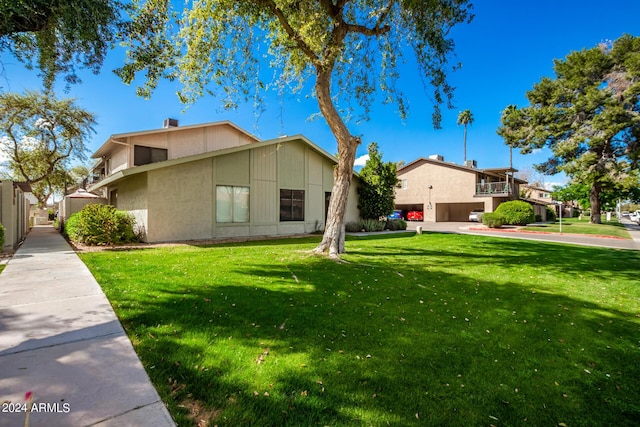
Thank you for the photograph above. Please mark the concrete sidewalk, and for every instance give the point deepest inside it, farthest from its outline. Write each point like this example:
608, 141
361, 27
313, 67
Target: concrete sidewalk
61, 340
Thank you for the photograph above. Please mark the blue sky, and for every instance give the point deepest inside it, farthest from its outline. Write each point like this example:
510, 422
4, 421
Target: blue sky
509, 46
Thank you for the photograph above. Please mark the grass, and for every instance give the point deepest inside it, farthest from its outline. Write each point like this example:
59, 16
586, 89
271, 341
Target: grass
577, 226
430, 329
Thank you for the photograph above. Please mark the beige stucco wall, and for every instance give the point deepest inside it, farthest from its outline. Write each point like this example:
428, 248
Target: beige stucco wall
119, 159
180, 202
132, 197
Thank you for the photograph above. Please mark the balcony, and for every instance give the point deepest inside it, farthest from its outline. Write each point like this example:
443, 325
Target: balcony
496, 189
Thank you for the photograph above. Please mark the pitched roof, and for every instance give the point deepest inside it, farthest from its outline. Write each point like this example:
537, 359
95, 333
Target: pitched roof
490, 171
168, 163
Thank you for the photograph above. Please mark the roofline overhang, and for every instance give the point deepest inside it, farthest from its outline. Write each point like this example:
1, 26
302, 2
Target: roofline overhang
464, 168
135, 170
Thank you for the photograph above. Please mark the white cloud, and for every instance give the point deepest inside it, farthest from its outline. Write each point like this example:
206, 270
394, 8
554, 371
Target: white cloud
360, 161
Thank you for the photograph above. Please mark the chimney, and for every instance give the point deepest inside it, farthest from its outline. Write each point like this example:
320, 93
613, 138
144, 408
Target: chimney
170, 123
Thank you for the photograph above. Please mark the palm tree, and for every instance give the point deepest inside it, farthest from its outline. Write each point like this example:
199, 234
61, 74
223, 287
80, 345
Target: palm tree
465, 118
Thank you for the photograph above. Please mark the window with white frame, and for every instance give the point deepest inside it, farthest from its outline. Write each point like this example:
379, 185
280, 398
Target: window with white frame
232, 204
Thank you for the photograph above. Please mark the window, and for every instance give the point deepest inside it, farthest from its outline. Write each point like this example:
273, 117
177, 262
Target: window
145, 155
403, 184
232, 204
291, 205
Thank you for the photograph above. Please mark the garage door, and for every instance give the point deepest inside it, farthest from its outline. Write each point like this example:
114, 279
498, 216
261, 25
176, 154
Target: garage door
455, 212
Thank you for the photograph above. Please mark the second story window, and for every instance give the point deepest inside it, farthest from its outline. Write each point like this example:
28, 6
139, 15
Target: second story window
145, 155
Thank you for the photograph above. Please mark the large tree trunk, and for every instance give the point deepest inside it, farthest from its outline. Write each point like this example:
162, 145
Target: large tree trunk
594, 200
333, 238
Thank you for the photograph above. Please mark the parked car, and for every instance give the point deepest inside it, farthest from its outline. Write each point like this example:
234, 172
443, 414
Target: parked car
476, 215
395, 215
634, 216
415, 216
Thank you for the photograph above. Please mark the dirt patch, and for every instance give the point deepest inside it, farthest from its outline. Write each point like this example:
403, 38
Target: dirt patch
200, 414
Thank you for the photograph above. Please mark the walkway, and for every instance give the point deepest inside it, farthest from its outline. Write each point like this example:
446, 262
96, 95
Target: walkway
61, 340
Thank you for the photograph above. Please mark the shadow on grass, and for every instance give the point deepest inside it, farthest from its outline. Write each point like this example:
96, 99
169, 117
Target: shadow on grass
387, 339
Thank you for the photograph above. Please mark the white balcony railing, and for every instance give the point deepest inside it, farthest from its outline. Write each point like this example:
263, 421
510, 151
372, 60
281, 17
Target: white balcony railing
493, 189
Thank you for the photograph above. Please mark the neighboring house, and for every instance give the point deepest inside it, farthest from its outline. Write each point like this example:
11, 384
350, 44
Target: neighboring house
539, 198
537, 193
216, 180
446, 191
14, 212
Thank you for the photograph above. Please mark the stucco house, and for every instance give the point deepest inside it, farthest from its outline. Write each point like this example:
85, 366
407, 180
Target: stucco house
215, 180
447, 191
539, 197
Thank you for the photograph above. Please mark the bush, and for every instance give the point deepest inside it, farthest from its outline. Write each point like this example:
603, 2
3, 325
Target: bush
101, 225
492, 219
396, 224
72, 228
372, 225
551, 214
1, 237
516, 212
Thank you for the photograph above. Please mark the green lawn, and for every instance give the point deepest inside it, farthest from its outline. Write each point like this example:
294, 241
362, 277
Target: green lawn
576, 226
432, 329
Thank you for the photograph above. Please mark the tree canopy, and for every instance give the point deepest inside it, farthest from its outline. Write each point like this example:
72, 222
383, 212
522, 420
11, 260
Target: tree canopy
41, 136
57, 36
343, 52
378, 181
588, 116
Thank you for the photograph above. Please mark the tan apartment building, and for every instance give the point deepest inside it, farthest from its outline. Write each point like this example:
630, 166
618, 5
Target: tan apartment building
215, 180
446, 191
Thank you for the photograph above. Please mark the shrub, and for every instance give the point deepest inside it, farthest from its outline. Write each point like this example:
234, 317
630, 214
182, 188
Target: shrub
492, 219
551, 214
101, 225
372, 225
396, 224
1, 237
72, 228
516, 212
